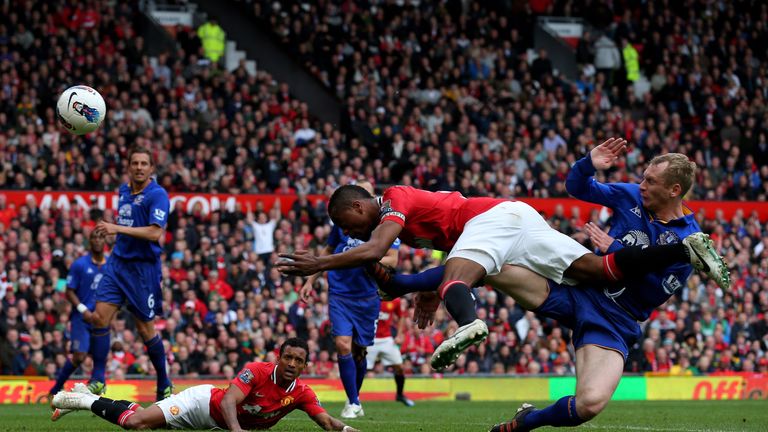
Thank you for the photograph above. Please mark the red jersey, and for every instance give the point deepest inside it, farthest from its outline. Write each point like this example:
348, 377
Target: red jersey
432, 220
389, 315
265, 402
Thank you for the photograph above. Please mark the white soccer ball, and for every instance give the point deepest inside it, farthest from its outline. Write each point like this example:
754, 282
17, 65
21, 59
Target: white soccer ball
81, 109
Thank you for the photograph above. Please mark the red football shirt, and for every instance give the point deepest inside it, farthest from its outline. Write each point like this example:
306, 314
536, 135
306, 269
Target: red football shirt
433, 220
265, 402
389, 315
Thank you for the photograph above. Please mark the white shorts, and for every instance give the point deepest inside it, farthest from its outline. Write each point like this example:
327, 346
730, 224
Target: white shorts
515, 233
189, 409
383, 349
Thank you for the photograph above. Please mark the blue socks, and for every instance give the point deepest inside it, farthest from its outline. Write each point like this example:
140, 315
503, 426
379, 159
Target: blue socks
428, 280
99, 350
361, 369
63, 376
560, 413
348, 372
156, 353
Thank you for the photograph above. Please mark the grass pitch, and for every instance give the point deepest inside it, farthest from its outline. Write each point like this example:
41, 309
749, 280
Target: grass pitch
458, 416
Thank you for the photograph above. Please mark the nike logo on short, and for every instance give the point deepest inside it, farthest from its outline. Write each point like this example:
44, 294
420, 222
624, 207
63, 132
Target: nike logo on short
257, 394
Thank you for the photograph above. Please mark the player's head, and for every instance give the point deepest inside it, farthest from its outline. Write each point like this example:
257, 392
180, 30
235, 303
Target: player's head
666, 180
353, 209
140, 164
294, 354
96, 242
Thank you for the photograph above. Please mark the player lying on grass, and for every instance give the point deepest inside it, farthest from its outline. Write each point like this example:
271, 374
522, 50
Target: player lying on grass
260, 395
482, 235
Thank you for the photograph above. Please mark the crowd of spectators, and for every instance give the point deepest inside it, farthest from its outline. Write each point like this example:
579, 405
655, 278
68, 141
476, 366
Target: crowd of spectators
434, 97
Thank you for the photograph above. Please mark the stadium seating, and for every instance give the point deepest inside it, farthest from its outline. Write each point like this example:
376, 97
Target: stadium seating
435, 99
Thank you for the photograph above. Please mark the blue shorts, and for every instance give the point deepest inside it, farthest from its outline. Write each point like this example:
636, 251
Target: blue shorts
594, 318
80, 334
135, 283
356, 317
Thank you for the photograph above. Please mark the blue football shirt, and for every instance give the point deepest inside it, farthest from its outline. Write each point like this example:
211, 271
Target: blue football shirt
351, 282
148, 207
83, 278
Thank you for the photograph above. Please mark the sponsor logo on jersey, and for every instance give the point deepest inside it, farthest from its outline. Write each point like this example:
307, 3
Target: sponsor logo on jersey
668, 237
635, 238
124, 215
246, 376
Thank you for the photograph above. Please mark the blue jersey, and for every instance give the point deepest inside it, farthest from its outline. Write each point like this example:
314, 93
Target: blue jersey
84, 276
148, 207
633, 225
351, 282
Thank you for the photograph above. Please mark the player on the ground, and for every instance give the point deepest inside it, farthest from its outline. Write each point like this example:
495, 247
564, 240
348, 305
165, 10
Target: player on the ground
353, 307
257, 398
482, 234
605, 324
133, 271
385, 348
82, 279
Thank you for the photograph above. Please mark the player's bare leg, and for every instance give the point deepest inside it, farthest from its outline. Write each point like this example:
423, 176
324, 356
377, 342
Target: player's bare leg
126, 414
156, 352
102, 317
460, 275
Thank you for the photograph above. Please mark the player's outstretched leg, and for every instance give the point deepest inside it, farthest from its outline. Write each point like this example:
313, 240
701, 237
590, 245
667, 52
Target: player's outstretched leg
114, 411
696, 249
392, 285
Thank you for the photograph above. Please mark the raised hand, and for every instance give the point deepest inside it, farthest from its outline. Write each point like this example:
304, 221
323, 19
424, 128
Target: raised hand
599, 238
605, 155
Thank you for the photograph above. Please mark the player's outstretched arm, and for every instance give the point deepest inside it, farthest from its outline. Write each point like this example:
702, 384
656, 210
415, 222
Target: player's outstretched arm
232, 398
304, 263
325, 421
149, 233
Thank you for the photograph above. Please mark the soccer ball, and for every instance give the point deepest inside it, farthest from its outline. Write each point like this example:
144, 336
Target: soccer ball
81, 109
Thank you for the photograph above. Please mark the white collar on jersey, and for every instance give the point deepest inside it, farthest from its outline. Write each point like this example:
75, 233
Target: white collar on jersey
379, 200
273, 375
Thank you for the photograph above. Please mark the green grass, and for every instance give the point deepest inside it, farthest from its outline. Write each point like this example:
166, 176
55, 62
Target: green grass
461, 417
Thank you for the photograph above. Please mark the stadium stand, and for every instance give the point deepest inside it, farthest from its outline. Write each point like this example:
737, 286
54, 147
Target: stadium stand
447, 102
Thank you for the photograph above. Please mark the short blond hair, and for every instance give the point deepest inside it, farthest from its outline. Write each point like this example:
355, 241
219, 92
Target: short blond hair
680, 170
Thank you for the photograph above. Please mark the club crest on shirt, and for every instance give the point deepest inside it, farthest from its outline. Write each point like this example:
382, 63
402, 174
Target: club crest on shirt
635, 238
286, 401
246, 376
139, 198
175, 410
668, 237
